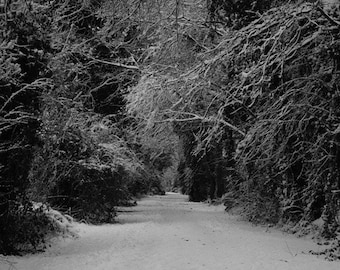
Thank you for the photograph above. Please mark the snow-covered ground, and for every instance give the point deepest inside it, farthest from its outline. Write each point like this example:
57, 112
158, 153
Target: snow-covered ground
167, 232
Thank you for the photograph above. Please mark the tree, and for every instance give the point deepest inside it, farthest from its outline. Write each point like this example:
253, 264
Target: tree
24, 76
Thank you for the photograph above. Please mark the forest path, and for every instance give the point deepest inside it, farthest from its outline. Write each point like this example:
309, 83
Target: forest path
167, 232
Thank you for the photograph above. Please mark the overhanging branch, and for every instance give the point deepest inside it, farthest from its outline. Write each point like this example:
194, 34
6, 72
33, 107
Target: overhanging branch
195, 117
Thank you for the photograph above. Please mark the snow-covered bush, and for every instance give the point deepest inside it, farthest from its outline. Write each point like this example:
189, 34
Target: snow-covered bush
31, 225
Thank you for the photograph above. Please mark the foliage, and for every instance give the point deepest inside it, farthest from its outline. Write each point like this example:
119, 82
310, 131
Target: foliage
154, 99
86, 167
170, 31
274, 84
62, 130
236, 13
287, 106
24, 53
267, 96
29, 227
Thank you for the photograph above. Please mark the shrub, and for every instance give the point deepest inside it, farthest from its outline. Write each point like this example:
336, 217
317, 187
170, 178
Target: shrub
28, 228
23, 58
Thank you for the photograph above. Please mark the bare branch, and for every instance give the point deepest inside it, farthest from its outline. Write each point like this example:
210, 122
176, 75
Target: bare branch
115, 64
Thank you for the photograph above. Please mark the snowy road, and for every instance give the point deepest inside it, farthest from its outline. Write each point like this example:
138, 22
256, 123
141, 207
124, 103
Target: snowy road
167, 232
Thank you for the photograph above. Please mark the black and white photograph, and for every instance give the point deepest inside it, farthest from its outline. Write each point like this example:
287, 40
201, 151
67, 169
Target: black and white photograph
169, 134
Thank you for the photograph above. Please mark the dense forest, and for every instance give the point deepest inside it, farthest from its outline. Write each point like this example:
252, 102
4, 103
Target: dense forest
102, 101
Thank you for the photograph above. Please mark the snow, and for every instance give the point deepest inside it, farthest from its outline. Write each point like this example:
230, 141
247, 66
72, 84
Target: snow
167, 232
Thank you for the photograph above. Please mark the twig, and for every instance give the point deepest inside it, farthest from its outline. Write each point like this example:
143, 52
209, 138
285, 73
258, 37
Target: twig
333, 21
115, 64
195, 117
38, 83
